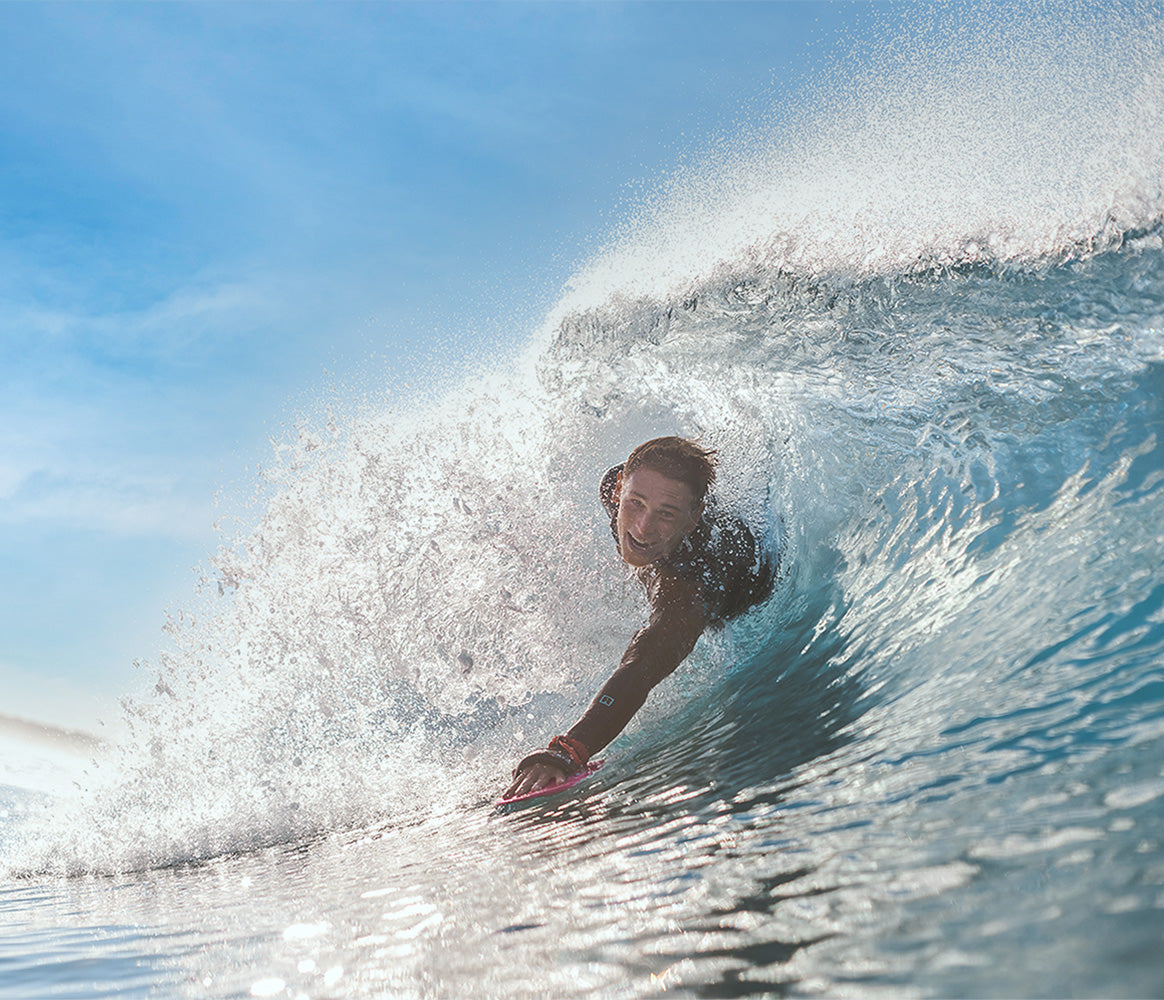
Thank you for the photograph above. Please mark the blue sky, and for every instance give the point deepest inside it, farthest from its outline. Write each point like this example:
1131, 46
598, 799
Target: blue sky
216, 219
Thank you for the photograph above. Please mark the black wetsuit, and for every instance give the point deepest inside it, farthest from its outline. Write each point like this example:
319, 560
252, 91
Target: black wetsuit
718, 572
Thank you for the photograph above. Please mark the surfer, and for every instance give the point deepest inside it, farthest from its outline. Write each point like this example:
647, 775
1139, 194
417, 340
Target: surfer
700, 566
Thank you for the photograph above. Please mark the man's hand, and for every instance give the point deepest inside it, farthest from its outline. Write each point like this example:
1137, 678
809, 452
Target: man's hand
534, 778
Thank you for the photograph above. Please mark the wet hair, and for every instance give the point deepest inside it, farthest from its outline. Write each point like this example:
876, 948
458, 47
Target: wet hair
678, 459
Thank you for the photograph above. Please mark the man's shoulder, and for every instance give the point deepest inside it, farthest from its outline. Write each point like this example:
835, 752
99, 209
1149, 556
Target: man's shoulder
722, 537
729, 562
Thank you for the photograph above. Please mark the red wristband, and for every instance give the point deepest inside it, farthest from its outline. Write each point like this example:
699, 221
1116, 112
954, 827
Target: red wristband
574, 749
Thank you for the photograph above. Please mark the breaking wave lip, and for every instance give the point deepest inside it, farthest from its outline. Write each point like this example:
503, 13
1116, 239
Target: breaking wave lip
1018, 141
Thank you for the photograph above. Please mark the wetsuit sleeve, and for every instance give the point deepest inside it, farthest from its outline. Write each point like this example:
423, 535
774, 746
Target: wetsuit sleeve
678, 617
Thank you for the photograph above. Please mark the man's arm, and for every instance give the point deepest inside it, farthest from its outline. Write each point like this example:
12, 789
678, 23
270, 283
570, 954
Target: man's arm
678, 617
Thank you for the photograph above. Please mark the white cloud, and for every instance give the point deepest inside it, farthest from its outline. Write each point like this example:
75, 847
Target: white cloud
119, 503
195, 315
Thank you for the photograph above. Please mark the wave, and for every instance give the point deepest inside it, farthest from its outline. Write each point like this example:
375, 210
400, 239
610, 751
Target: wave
925, 334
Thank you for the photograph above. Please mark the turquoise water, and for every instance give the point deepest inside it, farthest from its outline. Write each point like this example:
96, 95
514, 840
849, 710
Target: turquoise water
927, 335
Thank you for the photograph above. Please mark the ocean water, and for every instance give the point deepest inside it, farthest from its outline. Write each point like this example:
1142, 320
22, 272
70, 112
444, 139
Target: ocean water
923, 323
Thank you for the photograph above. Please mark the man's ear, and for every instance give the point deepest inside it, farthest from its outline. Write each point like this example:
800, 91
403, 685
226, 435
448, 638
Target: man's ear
617, 494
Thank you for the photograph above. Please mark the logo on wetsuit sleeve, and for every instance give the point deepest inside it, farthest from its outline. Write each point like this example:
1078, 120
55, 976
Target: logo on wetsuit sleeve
606, 700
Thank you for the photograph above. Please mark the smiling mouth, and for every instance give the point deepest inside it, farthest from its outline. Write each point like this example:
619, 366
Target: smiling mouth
635, 544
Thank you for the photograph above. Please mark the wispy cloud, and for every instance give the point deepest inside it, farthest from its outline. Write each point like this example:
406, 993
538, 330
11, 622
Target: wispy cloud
182, 328
119, 502
116, 420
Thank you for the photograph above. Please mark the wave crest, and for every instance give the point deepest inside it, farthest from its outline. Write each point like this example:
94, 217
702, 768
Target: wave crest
1006, 139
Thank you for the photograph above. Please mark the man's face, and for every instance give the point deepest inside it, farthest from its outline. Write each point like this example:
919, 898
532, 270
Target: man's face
654, 514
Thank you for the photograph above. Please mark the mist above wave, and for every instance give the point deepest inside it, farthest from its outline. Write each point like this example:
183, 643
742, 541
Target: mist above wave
982, 135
